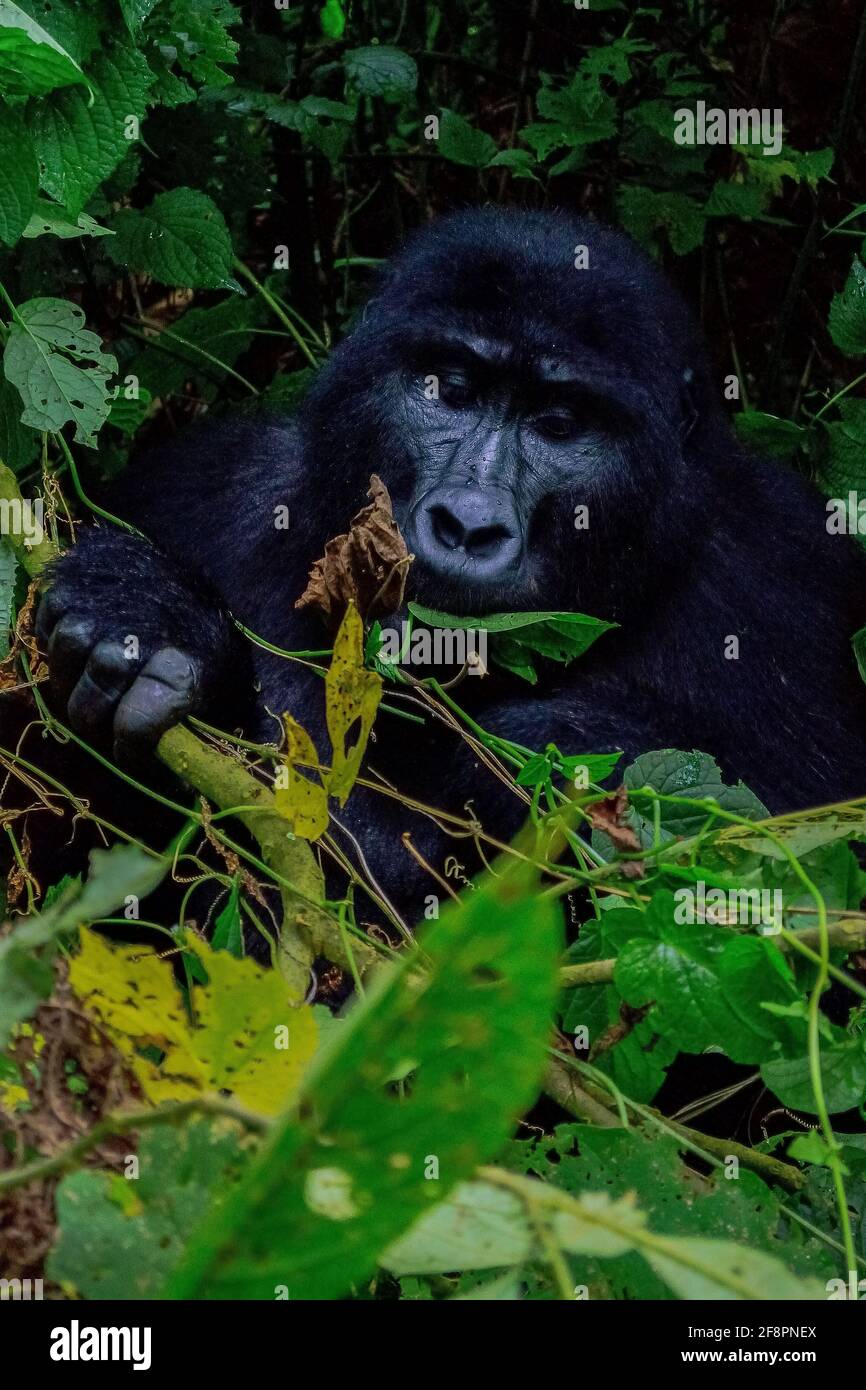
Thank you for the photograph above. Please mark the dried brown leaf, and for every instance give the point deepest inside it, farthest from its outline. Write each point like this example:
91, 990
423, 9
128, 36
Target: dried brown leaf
609, 815
367, 566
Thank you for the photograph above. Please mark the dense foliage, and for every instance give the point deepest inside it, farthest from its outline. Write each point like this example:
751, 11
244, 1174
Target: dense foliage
192, 197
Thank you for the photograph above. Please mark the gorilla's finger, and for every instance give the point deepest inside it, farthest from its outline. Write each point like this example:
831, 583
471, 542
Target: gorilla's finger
108, 673
51, 609
68, 649
161, 695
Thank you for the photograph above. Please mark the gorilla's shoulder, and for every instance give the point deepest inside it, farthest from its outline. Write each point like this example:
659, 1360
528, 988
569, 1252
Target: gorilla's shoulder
242, 457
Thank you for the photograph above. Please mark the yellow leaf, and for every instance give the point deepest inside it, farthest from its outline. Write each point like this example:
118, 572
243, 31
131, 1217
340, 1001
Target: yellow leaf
303, 802
352, 695
248, 1037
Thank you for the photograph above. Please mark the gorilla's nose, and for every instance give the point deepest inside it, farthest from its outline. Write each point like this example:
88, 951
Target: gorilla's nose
469, 524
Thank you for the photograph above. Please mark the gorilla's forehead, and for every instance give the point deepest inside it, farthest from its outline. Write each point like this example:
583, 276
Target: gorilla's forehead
549, 286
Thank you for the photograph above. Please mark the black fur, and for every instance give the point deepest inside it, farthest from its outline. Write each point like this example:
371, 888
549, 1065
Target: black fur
691, 540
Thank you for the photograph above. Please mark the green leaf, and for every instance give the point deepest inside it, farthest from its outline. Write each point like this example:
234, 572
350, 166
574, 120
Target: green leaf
122, 1237
44, 353
705, 984
519, 163
613, 59
842, 457
583, 111
768, 434
135, 12
644, 213
843, 1074
19, 175
81, 141
517, 637
809, 166
847, 321
695, 775
482, 1226
361, 1160
31, 61
730, 198
380, 71
222, 330
462, 143
50, 219
332, 19
227, 933
583, 1158
193, 34
180, 239
760, 1276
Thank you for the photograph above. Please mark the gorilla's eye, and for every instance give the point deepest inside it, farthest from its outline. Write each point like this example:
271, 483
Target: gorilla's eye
556, 424
456, 389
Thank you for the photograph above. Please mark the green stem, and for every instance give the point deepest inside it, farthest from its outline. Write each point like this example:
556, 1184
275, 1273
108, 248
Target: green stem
277, 310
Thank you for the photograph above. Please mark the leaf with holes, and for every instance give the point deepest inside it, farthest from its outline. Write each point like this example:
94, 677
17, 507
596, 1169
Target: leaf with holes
352, 695
50, 219
248, 1037
59, 368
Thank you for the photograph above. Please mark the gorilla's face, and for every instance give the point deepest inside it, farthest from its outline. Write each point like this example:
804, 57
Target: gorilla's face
502, 446
528, 410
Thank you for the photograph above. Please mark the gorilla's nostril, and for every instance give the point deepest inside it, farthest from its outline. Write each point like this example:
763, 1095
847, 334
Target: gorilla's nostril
479, 542
485, 541
446, 528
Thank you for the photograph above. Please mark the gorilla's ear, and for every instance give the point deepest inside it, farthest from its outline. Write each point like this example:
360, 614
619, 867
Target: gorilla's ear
690, 413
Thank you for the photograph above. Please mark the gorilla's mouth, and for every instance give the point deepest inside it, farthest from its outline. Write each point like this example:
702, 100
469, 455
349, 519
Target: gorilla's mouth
465, 591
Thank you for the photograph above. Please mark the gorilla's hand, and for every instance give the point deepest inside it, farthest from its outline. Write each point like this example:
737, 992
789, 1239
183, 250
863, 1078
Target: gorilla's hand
133, 643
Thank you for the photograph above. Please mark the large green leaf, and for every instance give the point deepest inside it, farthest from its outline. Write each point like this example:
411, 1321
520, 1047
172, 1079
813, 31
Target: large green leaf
59, 368
336, 1183
81, 140
180, 239
380, 71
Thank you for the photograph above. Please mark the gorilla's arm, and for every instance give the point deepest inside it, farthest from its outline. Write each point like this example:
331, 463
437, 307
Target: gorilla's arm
138, 632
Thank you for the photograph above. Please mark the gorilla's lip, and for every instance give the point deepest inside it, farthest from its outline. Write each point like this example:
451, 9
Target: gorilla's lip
466, 596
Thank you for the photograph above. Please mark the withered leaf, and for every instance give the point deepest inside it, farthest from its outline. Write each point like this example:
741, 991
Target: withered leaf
609, 815
367, 566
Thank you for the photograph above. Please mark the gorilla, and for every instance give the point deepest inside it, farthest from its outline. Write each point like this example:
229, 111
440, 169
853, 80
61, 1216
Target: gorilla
570, 375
